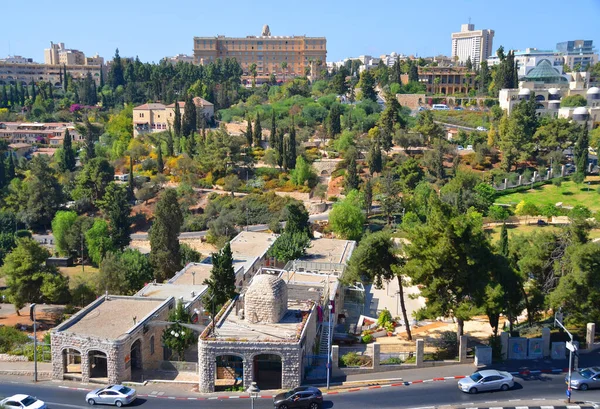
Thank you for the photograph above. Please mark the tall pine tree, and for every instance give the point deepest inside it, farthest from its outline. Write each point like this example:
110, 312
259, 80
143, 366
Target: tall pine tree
249, 133
221, 284
273, 135
177, 121
189, 116
257, 131
159, 158
351, 173
503, 246
68, 160
165, 254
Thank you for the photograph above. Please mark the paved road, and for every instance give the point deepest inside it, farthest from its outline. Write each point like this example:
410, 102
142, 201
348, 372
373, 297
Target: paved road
418, 395
447, 125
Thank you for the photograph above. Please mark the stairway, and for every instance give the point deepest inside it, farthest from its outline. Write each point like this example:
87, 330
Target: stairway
323, 342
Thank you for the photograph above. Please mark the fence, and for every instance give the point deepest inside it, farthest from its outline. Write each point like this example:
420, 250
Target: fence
514, 180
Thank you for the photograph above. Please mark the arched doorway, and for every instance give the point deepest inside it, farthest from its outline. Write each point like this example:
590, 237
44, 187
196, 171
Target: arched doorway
136, 355
267, 371
229, 373
71, 363
98, 364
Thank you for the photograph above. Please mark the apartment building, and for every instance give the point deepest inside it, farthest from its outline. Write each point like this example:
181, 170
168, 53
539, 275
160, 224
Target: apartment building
58, 54
157, 117
24, 73
471, 43
269, 53
38, 133
445, 80
578, 53
528, 59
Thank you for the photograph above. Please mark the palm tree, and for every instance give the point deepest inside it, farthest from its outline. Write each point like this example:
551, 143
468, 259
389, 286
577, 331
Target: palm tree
252, 69
436, 83
284, 66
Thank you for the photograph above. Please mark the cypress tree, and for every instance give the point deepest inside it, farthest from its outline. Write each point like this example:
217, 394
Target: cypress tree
273, 136
10, 173
580, 153
3, 179
280, 152
352, 173
177, 121
130, 180
221, 283
368, 193
68, 159
50, 90
249, 133
375, 161
290, 150
165, 254
469, 63
413, 72
3, 98
159, 159
170, 149
189, 116
33, 93
191, 144
504, 240
65, 79
257, 131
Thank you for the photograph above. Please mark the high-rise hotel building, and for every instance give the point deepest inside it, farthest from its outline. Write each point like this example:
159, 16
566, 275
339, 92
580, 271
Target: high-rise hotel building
268, 52
476, 44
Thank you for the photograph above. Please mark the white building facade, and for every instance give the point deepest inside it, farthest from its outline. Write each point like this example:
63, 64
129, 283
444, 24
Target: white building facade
471, 43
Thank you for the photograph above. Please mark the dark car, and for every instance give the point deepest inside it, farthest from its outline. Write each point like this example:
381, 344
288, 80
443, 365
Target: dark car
344, 339
305, 397
541, 222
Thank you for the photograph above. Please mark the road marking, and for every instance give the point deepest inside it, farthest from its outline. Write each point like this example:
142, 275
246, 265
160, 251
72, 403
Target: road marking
514, 400
522, 407
66, 405
546, 407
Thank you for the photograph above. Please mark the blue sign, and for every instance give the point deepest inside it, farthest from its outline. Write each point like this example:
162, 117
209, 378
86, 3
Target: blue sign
568, 392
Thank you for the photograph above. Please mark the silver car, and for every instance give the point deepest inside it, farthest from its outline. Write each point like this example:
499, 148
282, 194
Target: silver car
585, 378
487, 380
117, 395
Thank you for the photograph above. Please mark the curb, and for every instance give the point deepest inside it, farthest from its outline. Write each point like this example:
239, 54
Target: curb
396, 382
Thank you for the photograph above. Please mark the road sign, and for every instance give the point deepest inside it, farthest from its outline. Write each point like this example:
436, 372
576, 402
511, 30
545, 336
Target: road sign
571, 347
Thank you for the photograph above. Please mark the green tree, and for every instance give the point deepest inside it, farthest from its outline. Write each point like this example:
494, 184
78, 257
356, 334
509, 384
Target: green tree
68, 160
137, 268
92, 181
376, 259
249, 132
98, 241
177, 337
159, 158
352, 179
289, 246
257, 136
297, 219
111, 276
503, 246
347, 218
334, 120
61, 225
580, 153
368, 195
273, 133
289, 149
498, 213
410, 174
573, 101
117, 209
115, 74
302, 173
375, 160
426, 126
188, 125
189, 255
29, 279
469, 64
367, 86
164, 236
221, 284
42, 194
177, 121
390, 119
449, 257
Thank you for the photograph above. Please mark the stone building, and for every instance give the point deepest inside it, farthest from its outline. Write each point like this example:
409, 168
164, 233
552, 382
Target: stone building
261, 336
110, 339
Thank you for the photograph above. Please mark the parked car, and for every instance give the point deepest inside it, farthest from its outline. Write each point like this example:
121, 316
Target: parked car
440, 107
305, 397
344, 339
459, 109
482, 129
459, 148
585, 378
469, 147
488, 380
541, 222
422, 109
117, 395
22, 402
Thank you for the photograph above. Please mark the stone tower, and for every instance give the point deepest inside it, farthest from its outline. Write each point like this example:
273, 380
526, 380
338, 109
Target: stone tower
266, 31
265, 300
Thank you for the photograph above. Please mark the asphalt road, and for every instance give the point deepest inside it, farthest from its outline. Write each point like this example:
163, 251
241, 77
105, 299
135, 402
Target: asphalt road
419, 395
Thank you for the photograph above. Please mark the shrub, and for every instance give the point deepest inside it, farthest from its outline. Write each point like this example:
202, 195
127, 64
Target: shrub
367, 338
384, 317
557, 182
496, 346
391, 361
447, 345
11, 338
353, 359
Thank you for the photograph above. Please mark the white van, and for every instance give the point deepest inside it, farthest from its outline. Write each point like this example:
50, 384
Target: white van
440, 107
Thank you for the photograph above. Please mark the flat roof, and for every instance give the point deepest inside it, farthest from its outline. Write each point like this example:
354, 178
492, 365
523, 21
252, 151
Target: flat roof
165, 291
249, 244
298, 277
233, 327
186, 275
329, 251
112, 317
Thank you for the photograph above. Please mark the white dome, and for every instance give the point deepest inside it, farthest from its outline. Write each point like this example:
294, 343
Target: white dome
524, 91
580, 111
593, 90
553, 91
393, 54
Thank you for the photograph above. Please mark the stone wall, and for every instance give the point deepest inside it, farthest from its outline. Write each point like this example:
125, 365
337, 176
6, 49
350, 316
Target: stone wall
412, 101
266, 299
290, 353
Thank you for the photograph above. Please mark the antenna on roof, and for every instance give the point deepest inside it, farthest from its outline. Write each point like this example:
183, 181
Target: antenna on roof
469, 20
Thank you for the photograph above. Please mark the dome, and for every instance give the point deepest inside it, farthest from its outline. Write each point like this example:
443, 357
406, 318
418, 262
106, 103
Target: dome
553, 91
593, 90
266, 299
266, 31
524, 91
580, 111
546, 73
393, 54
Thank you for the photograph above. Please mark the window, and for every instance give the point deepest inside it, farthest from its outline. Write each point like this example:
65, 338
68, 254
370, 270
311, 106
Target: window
152, 345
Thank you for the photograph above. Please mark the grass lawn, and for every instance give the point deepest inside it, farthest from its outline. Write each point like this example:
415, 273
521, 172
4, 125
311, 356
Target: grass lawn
494, 232
468, 118
569, 193
76, 277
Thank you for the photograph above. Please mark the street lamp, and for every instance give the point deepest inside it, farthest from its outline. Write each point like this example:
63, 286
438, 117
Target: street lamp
32, 316
329, 345
571, 347
253, 391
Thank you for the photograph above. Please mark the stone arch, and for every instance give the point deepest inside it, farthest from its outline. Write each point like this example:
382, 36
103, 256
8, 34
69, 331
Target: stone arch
463, 90
98, 363
72, 362
230, 369
324, 172
136, 354
443, 90
540, 97
268, 369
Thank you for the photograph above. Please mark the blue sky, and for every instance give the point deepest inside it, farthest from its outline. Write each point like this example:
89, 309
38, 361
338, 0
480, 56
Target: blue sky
153, 29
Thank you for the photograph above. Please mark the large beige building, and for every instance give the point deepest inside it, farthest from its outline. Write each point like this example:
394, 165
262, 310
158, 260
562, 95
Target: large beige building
10, 72
157, 117
476, 44
268, 52
57, 54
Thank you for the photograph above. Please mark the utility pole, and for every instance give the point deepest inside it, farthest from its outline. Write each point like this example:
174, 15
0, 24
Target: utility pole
82, 267
32, 316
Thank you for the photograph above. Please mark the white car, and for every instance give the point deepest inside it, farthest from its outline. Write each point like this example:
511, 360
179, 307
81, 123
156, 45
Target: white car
22, 402
487, 380
481, 129
469, 147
